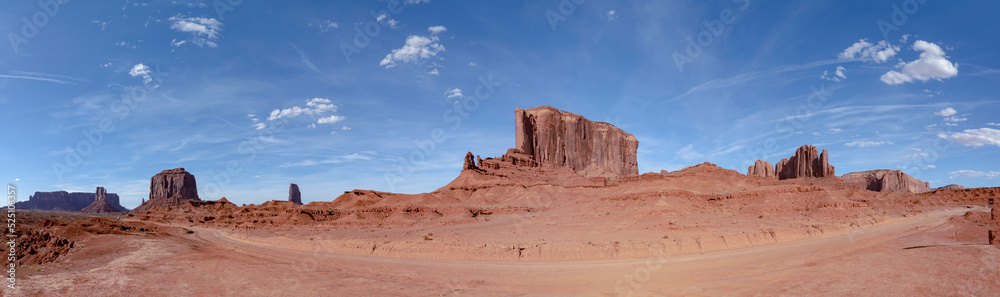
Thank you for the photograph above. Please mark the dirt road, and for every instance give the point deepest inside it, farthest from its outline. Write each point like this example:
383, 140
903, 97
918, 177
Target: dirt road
919, 255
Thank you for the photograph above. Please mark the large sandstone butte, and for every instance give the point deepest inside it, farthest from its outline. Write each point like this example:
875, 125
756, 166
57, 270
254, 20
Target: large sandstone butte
294, 195
172, 187
65, 201
100, 204
885, 180
557, 138
761, 168
806, 162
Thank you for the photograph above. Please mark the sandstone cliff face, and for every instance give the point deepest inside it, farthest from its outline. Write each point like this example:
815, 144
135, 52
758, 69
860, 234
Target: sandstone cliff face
761, 168
168, 188
558, 138
100, 204
294, 195
884, 180
806, 162
65, 201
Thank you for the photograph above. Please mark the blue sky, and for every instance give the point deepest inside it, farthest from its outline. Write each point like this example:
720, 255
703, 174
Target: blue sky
389, 96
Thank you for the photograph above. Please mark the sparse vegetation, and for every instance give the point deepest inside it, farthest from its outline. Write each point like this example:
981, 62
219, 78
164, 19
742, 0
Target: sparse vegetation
429, 236
665, 236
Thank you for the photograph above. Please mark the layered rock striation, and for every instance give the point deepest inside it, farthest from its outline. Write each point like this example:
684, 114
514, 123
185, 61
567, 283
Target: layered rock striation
884, 180
806, 162
294, 195
172, 187
557, 138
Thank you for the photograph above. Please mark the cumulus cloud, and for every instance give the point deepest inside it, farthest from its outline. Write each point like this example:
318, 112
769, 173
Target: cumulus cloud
838, 74
993, 124
612, 15
141, 70
453, 93
314, 106
204, 31
416, 48
435, 30
330, 119
867, 51
932, 64
947, 112
434, 72
867, 143
973, 174
974, 137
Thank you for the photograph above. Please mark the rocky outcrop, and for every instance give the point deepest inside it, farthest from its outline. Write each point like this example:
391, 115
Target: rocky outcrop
994, 231
884, 180
65, 201
470, 162
951, 187
169, 188
806, 162
100, 204
557, 138
761, 168
294, 195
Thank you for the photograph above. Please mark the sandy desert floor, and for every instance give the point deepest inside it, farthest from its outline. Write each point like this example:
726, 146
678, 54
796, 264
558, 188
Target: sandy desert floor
942, 252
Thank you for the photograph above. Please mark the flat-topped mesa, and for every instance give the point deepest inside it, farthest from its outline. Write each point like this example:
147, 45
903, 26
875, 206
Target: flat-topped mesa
761, 168
806, 162
172, 187
557, 138
294, 195
100, 204
885, 180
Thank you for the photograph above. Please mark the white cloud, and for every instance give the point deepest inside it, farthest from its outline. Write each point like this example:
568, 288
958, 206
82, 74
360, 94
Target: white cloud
330, 119
688, 153
975, 137
932, 64
993, 124
412, 2
393, 23
456, 92
345, 128
314, 106
259, 126
838, 74
955, 119
204, 31
835, 130
141, 70
867, 143
106, 65
612, 15
932, 166
946, 112
472, 64
435, 30
973, 174
866, 51
434, 72
416, 47
177, 43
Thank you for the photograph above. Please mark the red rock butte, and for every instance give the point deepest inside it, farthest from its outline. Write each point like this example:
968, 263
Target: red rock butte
172, 187
557, 138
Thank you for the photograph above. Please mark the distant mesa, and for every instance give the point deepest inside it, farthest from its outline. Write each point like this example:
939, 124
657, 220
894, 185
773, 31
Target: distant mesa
557, 138
951, 187
66, 201
294, 195
172, 187
806, 162
885, 180
100, 204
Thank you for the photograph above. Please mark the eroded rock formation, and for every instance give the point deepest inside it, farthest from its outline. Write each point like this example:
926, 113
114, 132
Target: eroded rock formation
951, 187
994, 231
557, 138
806, 162
65, 201
100, 204
294, 195
884, 180
170, 187
470, 162
761, 168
